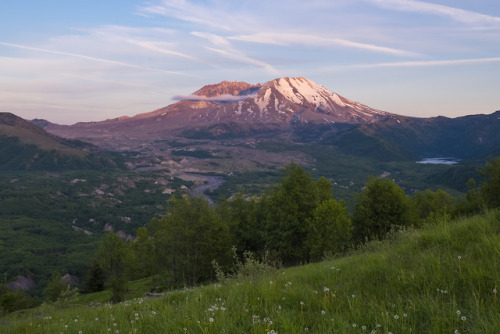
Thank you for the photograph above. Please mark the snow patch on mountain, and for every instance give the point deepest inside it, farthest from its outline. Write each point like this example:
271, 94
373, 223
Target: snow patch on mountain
263, 101
285, 88
337, 100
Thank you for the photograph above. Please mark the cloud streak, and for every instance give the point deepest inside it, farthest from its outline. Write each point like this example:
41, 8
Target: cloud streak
425, 63
226, 50
151, 39
456, 14
210, 14
287, 39
162, 48
95, 59
155, 47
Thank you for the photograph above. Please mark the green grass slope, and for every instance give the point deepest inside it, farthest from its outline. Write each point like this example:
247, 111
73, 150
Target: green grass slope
30, 134
440, 279
42, 140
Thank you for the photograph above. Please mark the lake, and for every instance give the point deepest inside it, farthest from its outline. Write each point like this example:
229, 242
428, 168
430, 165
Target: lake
438, 161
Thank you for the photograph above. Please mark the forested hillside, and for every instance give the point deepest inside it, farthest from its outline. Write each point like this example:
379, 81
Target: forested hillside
25, 146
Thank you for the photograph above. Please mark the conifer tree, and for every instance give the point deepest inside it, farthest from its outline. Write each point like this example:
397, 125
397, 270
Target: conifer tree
55, 287
490, 189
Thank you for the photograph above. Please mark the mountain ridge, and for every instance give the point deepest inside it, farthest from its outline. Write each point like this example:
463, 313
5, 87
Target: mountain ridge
26, 146
274, 105
293, 110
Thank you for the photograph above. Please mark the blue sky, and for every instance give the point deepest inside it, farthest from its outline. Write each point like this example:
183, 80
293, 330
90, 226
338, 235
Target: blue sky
69, 61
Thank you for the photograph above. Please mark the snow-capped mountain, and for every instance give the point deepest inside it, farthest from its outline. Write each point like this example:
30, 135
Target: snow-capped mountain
234, 107
279, 101
294, 111
305, 100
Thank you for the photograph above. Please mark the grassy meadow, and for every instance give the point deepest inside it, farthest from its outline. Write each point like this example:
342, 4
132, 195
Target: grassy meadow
442, 278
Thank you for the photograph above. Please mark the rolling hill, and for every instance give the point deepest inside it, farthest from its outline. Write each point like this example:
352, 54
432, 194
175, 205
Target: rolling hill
25, 146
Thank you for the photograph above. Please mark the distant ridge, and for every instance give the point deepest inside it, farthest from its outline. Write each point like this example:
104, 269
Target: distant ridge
295, 110
11, 120
232, 109
26, 146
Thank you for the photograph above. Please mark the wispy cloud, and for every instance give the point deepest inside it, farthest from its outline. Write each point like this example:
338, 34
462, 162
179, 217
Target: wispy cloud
174, 47
95, 59
286, 39
105, 81
226, 50
425, 63
211, 14
457, 14
150, 39
154, 46
225, 20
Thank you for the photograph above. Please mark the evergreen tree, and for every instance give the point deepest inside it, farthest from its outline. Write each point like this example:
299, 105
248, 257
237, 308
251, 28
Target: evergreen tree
55, 287
95, 280
490, 189
472, 203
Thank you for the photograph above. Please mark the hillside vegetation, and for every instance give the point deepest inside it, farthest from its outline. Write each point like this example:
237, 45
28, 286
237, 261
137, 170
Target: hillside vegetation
53, 221
30, 134
401, 240
43, 141
441, 278
25, 146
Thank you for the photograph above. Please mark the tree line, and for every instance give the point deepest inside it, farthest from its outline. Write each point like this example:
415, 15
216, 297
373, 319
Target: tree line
294, 222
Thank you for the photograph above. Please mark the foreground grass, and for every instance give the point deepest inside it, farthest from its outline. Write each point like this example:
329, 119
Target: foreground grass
440, 279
